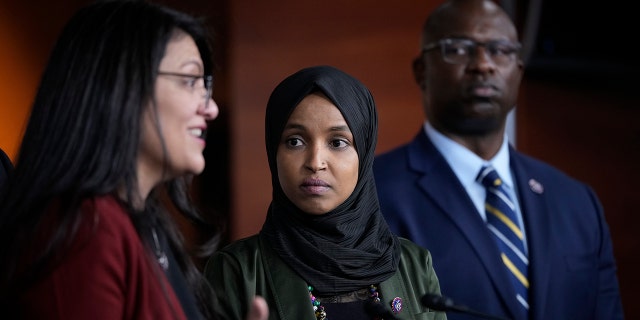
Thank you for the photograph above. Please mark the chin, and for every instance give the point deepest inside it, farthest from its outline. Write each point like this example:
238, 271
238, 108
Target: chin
197, 170
476, 126
194, 168
312, 208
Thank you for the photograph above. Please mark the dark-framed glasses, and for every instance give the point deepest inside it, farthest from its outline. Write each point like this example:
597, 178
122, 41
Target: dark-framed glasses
193, 82
460, 51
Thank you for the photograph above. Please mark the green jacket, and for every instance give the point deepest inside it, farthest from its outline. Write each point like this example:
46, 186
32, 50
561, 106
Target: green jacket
250, 267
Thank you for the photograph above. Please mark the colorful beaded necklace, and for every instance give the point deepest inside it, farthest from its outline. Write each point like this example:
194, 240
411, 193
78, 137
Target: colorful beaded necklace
319, 309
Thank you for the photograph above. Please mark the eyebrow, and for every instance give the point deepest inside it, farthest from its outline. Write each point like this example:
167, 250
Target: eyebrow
340, 128
190, 62
333, 128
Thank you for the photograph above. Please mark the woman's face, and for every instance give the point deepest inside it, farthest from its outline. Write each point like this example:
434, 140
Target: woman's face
182, 115
316, 158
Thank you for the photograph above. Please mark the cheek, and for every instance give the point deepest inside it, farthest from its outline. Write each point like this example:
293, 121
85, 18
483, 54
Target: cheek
511, 86
173, 110
149, 138
284, 165
175, 117
441, 83
348, 173
174, 105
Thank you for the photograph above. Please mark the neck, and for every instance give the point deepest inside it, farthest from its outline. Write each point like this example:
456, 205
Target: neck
485, 146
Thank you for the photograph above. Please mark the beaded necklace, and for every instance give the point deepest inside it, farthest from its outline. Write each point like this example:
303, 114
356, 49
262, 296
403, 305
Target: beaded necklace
321, 314
160, 255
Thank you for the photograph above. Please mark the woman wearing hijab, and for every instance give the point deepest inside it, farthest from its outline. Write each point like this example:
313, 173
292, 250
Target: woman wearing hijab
324, 251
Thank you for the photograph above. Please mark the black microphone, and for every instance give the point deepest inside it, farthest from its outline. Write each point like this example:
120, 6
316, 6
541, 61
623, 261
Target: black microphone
376, 309
441, 303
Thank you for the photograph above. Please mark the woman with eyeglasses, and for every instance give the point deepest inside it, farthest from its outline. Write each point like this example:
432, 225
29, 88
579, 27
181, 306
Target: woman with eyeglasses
115, 135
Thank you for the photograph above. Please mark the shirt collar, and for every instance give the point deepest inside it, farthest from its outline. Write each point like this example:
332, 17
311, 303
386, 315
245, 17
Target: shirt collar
466, 164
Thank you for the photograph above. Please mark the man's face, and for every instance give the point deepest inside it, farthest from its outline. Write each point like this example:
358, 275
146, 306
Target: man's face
473, 92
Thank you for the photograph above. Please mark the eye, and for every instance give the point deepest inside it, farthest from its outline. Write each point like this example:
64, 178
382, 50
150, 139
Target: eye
293, 142
191, 81
501, 48
458, 48
339, 143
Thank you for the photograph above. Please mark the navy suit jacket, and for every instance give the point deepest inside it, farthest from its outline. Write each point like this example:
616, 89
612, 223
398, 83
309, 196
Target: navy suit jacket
572, 271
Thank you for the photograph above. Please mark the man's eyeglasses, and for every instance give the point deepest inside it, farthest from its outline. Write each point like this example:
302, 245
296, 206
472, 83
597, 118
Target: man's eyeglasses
460, 51
193, 82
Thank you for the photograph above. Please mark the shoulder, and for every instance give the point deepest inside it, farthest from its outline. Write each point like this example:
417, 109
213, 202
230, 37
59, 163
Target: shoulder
235, 265
392, 155
242, 246
110, 266
106, 228
535, 164
105, 214
416, 268
413, 253
240, 254
389, 165
415, 157
411, 247
419, 141
532, 168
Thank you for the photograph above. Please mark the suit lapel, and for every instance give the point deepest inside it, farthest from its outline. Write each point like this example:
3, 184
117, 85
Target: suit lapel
536, 216
288, 289
441, 185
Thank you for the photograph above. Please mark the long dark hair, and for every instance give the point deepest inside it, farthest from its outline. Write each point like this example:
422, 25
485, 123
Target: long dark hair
82, 137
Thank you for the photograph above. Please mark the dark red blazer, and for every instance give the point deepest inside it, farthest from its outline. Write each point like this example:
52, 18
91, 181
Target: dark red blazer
107, 275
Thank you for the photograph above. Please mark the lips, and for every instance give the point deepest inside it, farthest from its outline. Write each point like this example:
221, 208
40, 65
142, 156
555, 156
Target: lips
314, 186
312, 182
198, 132
483, 90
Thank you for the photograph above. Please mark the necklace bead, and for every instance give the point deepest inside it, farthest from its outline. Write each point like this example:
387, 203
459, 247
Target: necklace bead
321, 314
160, 255
317, 308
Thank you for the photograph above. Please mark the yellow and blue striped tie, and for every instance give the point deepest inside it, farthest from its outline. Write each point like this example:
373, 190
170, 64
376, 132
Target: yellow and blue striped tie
502, 222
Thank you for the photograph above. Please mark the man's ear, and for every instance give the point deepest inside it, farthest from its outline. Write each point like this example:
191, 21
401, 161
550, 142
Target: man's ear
418, 71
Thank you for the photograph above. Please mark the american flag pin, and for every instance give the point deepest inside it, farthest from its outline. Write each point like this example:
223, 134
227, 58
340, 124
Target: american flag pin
396, 305
536, 186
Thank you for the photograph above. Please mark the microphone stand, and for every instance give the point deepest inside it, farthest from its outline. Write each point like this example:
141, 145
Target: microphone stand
441, 303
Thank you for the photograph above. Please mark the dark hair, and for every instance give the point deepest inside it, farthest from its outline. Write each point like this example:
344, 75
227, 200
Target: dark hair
6, 168
83, 133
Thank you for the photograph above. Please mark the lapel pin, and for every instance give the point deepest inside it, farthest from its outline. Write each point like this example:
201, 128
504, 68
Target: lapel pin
396, 305
536, 186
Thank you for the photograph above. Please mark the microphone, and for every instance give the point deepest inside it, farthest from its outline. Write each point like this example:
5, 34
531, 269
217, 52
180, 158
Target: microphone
377, 310
441, 303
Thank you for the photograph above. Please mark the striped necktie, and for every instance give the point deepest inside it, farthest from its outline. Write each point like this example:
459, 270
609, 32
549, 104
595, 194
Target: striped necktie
502, 222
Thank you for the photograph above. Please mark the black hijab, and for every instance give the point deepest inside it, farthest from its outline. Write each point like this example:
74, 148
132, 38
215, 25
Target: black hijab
350, 247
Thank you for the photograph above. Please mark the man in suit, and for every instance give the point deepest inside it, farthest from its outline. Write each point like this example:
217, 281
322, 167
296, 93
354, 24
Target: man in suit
469, 71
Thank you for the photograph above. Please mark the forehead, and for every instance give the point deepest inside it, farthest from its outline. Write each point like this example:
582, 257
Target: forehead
471, 19
181, 51
316, 106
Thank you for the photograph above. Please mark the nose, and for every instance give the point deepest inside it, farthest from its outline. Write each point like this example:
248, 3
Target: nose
210, 110
315, 159
481, 60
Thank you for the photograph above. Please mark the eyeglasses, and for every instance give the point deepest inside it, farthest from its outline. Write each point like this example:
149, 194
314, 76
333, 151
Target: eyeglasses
193, 82
460, 51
